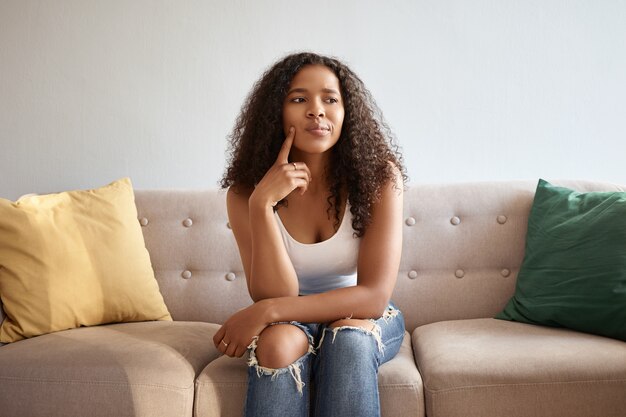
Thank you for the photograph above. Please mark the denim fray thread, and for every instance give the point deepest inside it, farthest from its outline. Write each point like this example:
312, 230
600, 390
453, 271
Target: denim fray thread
293, 369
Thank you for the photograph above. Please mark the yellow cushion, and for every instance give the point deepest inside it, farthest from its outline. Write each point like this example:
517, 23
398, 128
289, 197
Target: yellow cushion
74, 259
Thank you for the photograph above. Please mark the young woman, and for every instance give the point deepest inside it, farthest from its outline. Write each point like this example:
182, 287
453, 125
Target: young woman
315, 204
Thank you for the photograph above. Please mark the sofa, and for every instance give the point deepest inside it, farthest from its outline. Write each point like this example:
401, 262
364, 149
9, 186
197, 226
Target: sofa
463, 246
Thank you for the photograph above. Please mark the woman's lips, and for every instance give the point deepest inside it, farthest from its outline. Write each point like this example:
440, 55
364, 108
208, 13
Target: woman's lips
318, 130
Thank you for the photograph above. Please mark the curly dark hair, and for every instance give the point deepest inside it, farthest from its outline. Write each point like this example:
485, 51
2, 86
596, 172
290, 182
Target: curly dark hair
360, 160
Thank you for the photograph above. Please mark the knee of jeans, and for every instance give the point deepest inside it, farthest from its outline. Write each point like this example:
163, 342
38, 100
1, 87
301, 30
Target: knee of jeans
279, 349
352, 334
280, 345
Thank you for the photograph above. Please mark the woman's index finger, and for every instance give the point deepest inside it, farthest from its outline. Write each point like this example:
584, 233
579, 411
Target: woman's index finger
283, 155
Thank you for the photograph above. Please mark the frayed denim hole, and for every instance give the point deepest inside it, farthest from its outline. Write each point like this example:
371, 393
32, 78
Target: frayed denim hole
375, 333
294, 369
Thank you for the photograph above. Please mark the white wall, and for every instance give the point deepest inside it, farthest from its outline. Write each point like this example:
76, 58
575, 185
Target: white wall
91, 90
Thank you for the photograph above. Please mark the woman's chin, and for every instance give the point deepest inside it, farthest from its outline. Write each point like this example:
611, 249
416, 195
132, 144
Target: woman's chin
314, 146
311, 148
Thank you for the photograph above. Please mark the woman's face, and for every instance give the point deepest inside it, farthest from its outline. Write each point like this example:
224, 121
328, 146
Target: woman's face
314, 106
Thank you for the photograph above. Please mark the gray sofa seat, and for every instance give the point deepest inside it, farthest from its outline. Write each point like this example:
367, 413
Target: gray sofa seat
127, 369
489, 367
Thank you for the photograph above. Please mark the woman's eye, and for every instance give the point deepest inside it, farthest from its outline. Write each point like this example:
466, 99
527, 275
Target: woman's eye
298, 100
332, 100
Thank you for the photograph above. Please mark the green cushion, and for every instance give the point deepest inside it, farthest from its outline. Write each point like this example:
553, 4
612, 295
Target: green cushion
574, 269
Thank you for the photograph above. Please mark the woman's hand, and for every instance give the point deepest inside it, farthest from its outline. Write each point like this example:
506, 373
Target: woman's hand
283, 177
233, 338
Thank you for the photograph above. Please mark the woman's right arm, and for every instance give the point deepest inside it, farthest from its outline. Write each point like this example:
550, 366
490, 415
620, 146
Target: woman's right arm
269, 271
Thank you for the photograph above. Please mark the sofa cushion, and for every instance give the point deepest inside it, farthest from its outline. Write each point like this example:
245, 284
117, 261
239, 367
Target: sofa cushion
574, 269
74, 259
128, 369
488, 367
221, 387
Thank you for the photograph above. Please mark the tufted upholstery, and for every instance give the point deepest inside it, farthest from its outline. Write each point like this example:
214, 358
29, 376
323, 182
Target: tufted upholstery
193, 253
463, 246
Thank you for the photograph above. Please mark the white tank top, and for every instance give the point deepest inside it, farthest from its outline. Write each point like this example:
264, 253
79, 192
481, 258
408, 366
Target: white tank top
325, 265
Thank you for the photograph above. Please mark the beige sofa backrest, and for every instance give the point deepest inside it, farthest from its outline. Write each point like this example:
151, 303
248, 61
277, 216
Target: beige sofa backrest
463, 246
193, 253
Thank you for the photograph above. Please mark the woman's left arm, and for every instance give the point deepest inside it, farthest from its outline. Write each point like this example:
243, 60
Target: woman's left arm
377, 270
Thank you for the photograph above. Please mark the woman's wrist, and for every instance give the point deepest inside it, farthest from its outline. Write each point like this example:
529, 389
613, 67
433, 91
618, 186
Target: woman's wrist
268, 312
259, 203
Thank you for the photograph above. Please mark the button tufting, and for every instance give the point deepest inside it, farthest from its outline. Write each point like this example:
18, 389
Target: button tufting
410, 221
186, 274
505, 272
459, 273
501, 219
412, 274
228, 225
143, 221
187, 222
455, 220
231, 276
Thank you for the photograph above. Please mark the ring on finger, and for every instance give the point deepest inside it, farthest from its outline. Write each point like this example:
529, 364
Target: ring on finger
225, 344
295, 167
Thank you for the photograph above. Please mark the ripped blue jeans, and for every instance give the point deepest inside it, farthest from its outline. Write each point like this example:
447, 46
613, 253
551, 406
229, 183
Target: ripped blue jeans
338, 376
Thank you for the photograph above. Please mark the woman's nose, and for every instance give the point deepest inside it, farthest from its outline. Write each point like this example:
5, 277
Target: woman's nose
316, 111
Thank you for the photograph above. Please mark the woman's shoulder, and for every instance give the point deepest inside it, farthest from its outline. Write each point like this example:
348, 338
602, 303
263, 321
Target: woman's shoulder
394, 168
239, 191
393, 185
397, 179
238, 196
